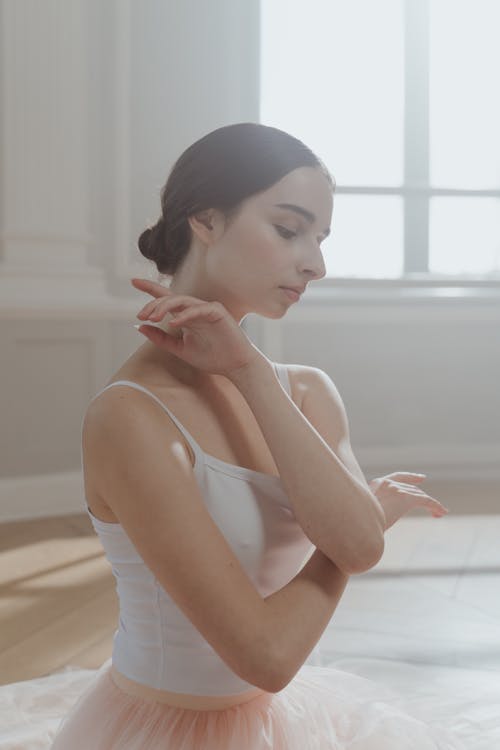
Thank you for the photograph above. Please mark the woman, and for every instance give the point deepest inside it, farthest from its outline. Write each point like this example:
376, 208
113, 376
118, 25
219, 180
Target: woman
223, 487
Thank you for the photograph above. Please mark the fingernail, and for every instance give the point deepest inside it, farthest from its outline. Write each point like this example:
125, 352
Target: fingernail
146, 325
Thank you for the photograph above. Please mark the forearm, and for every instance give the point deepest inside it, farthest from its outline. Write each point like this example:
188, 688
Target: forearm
299, 613
337, 513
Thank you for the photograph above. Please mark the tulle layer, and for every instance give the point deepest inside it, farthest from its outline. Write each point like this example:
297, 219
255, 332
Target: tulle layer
322, 708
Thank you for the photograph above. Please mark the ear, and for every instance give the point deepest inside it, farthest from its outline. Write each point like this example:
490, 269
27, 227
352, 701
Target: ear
206, 225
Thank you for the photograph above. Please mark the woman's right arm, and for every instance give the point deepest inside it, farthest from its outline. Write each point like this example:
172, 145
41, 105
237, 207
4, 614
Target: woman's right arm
131, 453
301, 610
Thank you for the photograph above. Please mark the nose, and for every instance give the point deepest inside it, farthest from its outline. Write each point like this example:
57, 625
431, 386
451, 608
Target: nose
314, 265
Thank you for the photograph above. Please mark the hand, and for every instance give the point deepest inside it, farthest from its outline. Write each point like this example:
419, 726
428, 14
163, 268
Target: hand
397, 494
210, 340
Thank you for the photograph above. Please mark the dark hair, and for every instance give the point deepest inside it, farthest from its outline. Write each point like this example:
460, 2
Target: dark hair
219, 171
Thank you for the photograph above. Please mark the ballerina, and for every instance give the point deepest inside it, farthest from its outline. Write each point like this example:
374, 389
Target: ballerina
223, 486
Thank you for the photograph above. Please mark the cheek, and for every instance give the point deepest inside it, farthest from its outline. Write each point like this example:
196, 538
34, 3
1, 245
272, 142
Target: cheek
257, 249
268, 247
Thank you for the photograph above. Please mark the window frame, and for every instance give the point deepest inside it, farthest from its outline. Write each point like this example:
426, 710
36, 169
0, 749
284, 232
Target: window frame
416, 192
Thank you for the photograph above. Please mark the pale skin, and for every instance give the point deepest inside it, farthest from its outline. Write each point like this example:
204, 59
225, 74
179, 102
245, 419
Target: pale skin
229, 272
243, 269
244, 265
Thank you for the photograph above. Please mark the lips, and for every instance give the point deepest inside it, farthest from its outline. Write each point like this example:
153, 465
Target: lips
291, 293
298, 289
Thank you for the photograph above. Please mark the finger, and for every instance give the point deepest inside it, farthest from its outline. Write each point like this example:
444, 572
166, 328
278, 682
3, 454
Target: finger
203, 310
148, 308
161, 339
148, 283
407, 476
157, 308
435, 505
411, 488
151, 287
177, 304
188, 316
434, 509
424, 500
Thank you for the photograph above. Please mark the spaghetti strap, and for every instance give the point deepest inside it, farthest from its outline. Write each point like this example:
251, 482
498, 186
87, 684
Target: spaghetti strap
190, 439
200, 456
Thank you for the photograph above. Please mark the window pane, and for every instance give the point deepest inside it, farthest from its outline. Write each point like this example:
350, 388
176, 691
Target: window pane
332, 75
367, 237
464, 96
464, 235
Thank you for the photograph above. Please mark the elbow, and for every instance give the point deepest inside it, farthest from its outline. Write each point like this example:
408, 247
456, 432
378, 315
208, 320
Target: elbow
378, 552
270, 679
265, 669
276, 685
277, 680
355, 563
360, 564
275, 672
282, 678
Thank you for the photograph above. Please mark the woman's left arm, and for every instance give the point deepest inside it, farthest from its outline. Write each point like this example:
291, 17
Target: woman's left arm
397, 492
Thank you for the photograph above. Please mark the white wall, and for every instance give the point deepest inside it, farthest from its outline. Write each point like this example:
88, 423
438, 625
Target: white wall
98, 101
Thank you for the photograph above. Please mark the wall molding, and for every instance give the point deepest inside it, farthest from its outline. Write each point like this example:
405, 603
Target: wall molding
123, 266
41, 496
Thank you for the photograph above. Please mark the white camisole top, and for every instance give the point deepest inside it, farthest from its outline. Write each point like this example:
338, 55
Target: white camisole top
155, 643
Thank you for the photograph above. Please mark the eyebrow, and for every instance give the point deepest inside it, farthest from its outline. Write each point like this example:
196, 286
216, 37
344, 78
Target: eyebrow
303, 212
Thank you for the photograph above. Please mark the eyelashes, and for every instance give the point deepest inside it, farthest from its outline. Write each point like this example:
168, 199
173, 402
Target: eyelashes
283, 232
287, 234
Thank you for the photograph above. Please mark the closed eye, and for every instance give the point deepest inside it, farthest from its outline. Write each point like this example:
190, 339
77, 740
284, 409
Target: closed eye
286, 233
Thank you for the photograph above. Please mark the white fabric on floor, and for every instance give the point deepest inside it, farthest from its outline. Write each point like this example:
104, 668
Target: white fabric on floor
464, 701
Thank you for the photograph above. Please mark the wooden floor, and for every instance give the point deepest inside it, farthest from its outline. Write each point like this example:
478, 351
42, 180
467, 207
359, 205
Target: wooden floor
58, 603
432, 599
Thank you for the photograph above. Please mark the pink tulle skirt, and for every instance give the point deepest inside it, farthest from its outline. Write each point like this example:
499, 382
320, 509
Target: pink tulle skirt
322, 708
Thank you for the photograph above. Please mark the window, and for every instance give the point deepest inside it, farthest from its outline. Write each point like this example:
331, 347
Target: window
400, 100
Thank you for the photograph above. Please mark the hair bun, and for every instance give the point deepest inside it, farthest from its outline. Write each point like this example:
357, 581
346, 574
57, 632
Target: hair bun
151, 241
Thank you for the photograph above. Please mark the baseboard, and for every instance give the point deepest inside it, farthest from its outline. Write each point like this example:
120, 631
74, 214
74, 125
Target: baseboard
41, 496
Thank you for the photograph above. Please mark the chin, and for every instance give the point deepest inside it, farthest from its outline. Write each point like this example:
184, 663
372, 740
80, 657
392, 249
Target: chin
267, 310
274, 314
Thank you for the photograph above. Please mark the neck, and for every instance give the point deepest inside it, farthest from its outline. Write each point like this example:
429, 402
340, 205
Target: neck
164, 366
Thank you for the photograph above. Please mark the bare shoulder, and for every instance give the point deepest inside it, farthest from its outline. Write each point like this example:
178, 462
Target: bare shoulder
119, 405
306, 377
108, 422
104, 407
301, 377
319, 400
322, 405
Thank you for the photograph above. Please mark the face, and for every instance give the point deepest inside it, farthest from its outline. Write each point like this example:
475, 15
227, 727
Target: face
267, 247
